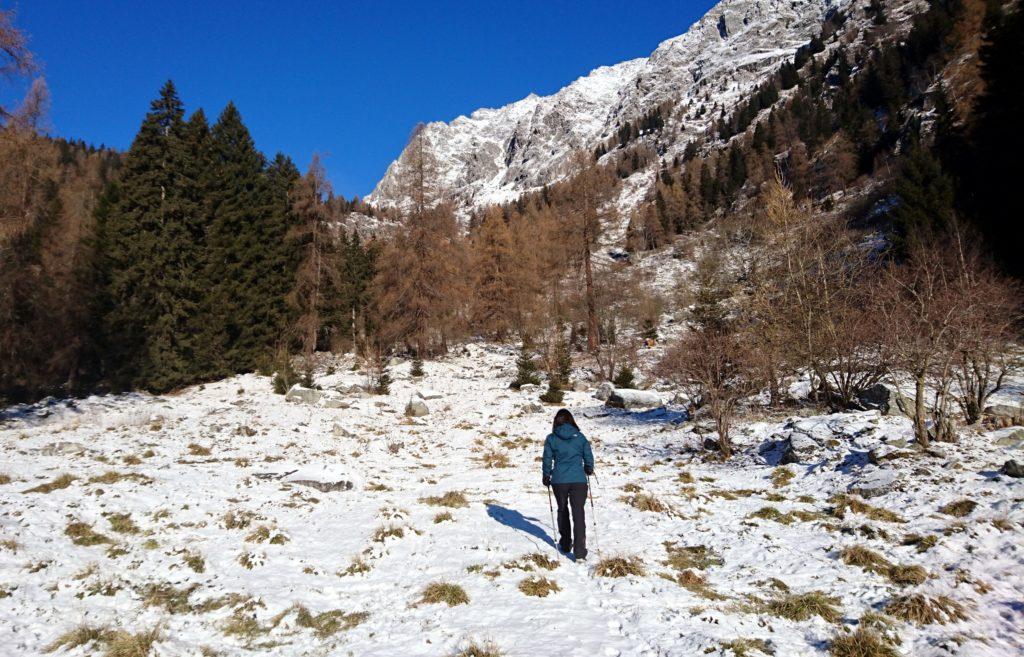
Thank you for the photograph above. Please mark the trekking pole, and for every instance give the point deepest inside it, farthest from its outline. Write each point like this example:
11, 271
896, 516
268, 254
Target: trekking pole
554, 530
593, 513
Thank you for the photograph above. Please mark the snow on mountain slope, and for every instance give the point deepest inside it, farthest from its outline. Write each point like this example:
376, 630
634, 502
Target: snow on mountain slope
192, 513
495, 154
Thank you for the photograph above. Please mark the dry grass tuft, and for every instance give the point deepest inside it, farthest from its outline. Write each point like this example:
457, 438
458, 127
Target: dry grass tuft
195, 561
357, 567
683, 558
781, 476
923, 543
122, 523
907, 575
329, 623
60, 482
495, 459
117, 643
923, 610
693, 582
5, 479
81, 533
959, 509
474, 649
450, 594
444, 516
843, 503
198, 450
538, 586
744, 647
868, 559
620, 567
79, 636
644, 502
801, 606
453, 499
385, 532
172, 600
864, 642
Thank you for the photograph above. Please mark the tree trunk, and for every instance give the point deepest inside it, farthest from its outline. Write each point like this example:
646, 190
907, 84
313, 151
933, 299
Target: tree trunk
591, 305
920, 426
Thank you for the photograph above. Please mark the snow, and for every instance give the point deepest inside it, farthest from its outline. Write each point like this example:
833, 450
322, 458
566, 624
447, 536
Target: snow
260, 445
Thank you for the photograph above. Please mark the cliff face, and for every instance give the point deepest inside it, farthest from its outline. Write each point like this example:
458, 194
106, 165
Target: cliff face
494, 155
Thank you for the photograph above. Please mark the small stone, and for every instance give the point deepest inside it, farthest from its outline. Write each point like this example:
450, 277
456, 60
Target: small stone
303, 395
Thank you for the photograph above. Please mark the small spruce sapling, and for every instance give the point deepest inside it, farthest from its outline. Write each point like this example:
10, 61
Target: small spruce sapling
526, 370
625, 378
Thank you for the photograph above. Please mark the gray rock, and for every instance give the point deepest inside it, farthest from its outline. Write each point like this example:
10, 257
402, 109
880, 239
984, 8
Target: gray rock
628, 398
329, 400
341, 432
533, 407
303, 395
874, 481
426, 393
1004, 411
604, 391
528, 388
416, 408
1013, 438
886, 452
1013, 469
877, 397
712, 445
324, 486
62, 448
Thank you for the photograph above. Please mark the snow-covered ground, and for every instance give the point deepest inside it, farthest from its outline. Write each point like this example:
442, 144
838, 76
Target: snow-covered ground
225, 554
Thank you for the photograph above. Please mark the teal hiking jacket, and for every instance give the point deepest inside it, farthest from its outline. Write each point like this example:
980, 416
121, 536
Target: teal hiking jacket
566, 451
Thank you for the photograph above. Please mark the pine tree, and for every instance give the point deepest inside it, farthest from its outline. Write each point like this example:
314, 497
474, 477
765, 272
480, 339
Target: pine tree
151, 257
526, 369
924, 198
242, 304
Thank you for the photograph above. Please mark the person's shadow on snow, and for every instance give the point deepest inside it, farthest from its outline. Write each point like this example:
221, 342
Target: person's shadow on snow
515, 520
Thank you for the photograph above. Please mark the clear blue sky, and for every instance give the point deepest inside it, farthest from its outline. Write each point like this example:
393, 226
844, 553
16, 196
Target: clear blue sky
346, 79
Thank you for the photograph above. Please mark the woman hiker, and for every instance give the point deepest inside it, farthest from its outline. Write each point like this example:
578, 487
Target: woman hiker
567, 463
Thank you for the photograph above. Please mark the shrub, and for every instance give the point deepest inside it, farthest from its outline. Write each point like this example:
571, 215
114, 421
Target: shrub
539, 586
554, 394
450, 594
625, 378
620, 567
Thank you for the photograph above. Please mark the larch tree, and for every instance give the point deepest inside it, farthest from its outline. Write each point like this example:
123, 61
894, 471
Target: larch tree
494, 263
316, 271
588, 194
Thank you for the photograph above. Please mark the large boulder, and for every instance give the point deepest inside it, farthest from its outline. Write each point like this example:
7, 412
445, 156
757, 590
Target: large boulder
628, 398
1005, 411
416, 408
877, 397
303, 395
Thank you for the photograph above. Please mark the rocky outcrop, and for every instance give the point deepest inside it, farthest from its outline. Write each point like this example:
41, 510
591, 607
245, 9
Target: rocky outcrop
630, 399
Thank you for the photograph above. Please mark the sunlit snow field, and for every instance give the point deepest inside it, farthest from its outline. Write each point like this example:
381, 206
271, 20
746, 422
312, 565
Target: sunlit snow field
184, 517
